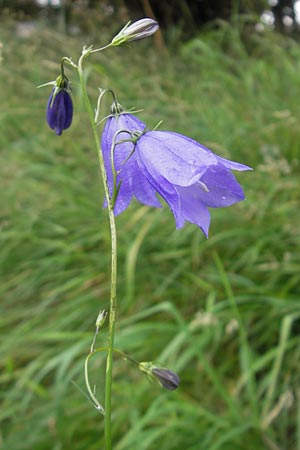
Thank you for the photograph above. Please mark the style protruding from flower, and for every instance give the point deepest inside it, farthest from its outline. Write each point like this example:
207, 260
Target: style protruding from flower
140, 29
186, 174
60, 107
166, 378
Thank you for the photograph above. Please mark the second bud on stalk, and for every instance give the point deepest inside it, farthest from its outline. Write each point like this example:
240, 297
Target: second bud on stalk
140, 29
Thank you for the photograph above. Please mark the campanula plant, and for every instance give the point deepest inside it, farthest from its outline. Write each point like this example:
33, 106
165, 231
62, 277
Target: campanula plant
137, 162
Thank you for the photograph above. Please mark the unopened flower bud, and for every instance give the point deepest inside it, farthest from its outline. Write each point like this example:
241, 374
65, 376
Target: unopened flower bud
137, 30
166, 378
101, 319
59, 112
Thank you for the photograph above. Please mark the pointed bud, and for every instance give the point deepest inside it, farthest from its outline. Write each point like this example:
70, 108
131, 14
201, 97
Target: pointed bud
101, 319
166, 378
137, 30
59, 112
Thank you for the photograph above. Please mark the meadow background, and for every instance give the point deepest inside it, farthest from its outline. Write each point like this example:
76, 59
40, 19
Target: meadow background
224, 312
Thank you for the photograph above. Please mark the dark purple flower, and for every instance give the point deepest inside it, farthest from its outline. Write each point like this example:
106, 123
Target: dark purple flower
187, 175
168, 379
59, 110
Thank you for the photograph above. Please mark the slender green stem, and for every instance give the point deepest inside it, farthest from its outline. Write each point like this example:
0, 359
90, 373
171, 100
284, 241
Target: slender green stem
115, 350
88, 386
113, 291
96, 50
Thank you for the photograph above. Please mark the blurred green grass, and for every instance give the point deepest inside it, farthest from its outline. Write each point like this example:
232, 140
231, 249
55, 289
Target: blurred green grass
223, 312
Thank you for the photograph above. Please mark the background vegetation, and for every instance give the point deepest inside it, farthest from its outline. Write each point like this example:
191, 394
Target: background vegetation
223, 312
188, 15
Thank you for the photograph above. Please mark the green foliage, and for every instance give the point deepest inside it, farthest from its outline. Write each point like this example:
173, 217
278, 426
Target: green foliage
224, 312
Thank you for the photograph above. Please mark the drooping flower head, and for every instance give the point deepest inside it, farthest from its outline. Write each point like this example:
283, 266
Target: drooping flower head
59, 111
165, 377
187, 175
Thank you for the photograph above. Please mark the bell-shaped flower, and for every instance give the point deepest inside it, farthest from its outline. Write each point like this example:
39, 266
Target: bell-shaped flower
59, 112
187, 175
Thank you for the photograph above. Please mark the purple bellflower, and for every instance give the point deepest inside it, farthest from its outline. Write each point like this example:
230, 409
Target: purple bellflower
187, 175
59, 112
